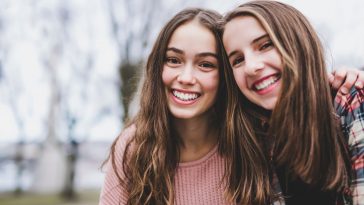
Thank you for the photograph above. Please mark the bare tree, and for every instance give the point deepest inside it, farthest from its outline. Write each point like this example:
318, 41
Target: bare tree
19, 149
15, 89
71, 95
134, 26
13, 96
63, 48
125, 38
1, 69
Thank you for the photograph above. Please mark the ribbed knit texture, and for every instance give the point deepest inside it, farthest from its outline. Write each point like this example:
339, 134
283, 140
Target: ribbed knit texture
199, 182
196, 183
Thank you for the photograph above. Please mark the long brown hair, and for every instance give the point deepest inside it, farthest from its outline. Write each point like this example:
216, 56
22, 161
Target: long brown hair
152, 155
247, 169
308, 139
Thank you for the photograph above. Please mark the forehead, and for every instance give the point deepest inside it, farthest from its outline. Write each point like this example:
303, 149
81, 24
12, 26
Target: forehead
193, 36
245, 23
241, 29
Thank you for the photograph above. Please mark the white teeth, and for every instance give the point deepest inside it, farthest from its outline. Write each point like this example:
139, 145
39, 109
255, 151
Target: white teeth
267, 82
185, 96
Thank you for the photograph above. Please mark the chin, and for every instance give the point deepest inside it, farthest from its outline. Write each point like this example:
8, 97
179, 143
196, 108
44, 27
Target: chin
269, 106
182, 115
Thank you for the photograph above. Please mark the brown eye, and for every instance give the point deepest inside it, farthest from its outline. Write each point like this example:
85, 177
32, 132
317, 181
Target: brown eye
172, 60
238, 60
207, 65
266, 45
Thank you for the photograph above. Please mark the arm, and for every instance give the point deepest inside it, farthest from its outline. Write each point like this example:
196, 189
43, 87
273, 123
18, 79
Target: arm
351, 111
113, 193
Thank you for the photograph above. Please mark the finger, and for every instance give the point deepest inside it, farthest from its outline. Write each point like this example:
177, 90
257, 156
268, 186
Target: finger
349, 82
360, 80
339, 77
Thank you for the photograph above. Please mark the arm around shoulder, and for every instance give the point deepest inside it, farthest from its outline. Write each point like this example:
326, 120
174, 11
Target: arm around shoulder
350, 109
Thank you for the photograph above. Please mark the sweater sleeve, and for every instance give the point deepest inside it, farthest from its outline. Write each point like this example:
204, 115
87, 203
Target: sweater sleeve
113, 193
350, 109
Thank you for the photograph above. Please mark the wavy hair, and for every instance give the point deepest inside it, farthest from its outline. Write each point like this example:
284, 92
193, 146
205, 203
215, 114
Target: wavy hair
152, 155
247, 169
308, 138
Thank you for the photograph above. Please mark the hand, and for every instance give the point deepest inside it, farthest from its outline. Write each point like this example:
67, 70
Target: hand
345, 78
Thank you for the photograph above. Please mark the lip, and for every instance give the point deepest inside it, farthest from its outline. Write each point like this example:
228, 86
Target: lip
183, 102
270, 87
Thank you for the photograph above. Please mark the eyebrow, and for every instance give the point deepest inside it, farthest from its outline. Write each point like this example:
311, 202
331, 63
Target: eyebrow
176, 50
260, 38
254, 41
203, 54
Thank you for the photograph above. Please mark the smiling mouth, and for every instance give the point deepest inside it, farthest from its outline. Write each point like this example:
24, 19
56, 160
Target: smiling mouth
184, 96
264, 84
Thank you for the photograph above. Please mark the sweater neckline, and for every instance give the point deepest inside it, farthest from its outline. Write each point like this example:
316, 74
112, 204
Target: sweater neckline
197, 162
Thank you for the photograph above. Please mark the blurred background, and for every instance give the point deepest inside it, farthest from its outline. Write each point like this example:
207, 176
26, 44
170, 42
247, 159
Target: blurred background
68, 69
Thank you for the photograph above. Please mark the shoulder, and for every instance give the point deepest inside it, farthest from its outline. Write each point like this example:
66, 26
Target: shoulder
350, 110
350, 105
125, 136
112, 188
120, 144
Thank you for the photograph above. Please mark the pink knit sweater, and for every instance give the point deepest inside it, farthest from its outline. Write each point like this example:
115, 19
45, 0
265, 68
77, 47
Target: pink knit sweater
196, 182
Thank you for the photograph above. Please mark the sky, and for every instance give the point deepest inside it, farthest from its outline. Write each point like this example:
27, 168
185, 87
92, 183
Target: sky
26, 84
340, 26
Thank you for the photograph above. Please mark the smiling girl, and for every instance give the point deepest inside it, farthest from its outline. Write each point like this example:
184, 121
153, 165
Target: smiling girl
278, 64
180, 148
186, 145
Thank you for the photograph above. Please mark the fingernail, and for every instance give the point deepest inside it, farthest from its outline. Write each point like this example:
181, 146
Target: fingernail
344, 90
359, 85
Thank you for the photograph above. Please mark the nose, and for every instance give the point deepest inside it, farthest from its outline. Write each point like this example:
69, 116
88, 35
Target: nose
186, 76
253, 64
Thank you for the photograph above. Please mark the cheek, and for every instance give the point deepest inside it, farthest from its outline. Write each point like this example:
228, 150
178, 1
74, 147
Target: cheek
277, 59
211, 82
166, 76
240, 80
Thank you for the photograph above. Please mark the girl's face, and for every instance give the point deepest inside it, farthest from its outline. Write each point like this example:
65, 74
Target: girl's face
256, 63
190, 72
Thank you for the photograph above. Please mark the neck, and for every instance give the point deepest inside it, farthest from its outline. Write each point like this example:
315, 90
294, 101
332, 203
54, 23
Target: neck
257, 112
198, 137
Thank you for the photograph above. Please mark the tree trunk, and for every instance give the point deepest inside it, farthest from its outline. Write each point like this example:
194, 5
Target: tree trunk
130, 75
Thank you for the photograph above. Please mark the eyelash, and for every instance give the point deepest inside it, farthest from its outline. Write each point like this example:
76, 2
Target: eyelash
266, 45
237, 60
203, 65
207, 65
172, 60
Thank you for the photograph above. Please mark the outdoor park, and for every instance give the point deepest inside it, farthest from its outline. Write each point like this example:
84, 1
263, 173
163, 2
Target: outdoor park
68, 71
